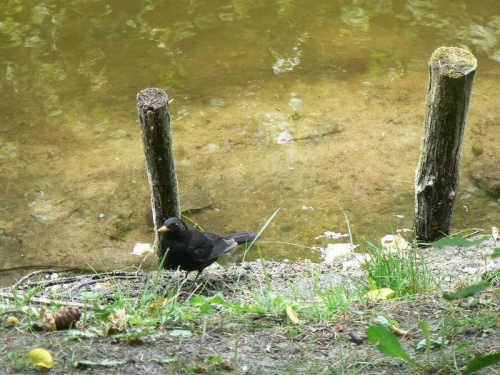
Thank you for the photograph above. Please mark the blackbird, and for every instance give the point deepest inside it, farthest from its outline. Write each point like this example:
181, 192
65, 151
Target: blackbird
194, 250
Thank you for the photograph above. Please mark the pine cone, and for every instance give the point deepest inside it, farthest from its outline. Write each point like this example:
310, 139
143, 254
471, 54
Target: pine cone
63, 318
66, 317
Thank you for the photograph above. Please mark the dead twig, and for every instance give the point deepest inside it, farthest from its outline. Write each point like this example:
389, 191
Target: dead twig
31, 274
101, 280
44, 300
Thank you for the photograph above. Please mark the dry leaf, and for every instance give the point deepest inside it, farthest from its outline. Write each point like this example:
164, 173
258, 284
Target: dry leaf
12, 321
398, 331
157, 304
380, 294
47, 318
292, 315
119, 320
226, 364
41, 358
339, 327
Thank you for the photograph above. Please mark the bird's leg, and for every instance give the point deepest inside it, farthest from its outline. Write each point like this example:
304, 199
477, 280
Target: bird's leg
196, 278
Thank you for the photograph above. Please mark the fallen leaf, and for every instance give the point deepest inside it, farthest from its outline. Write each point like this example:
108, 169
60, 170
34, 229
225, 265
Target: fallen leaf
226, 364
47, 318
157, 304
119, 320
292, 315
41, 358
398, 330
200, 369
339, 327
380, 294
12, 321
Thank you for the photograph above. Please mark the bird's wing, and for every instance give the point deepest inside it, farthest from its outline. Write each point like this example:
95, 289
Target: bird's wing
243, 237
207, 246
221, 247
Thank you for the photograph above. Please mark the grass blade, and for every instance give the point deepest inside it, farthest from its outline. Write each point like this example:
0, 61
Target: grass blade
479, 363
466, 292
387, 342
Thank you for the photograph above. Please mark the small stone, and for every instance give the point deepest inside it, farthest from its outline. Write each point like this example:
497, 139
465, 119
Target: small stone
52, 155
477, 150
226, 365
470, 270
118, 134
217, 103
296, 103
284, 137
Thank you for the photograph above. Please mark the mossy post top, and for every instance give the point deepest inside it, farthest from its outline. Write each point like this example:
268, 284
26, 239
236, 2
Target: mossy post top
453, 62
152, 98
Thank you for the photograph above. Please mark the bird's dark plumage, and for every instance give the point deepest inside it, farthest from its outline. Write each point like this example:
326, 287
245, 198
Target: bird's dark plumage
194, 250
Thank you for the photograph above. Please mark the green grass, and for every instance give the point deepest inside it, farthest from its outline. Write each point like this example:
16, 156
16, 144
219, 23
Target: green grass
404, 271
131, 316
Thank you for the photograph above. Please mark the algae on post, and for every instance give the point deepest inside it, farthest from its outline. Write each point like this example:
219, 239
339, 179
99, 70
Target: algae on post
453, 62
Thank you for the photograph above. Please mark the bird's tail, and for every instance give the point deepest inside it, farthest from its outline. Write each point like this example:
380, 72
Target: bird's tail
243, 237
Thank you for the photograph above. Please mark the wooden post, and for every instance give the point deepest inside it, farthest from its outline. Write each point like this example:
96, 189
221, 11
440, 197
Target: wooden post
452, 72
154, 118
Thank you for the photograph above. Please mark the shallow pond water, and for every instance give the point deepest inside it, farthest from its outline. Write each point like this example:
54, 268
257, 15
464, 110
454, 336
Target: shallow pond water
314, 107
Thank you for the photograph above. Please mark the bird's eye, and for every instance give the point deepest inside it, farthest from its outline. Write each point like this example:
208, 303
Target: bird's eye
176, 225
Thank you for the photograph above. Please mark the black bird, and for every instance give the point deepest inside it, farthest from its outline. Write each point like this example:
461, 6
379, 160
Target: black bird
194, 250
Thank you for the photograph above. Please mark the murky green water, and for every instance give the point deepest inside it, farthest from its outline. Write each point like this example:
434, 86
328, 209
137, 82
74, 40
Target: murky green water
312, 106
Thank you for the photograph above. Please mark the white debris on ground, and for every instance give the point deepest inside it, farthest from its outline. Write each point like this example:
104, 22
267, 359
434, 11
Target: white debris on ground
336, 250
394, 243
332, 235
141, 249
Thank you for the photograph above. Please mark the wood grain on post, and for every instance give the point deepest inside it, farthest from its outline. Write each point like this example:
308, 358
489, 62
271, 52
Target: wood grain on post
154, 118
452, 72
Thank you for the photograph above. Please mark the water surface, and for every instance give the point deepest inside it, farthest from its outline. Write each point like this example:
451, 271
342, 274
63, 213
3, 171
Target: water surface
312, 106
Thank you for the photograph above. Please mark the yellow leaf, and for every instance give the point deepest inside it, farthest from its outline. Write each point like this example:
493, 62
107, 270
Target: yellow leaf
379, 294
41, 357
12, 321
157, 303
292, 315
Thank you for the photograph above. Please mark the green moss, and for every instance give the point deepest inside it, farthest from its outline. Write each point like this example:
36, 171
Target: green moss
453, 62
122, 226
477, 149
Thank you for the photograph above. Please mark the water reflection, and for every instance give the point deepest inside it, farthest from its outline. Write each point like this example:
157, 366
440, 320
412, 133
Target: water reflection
290, 104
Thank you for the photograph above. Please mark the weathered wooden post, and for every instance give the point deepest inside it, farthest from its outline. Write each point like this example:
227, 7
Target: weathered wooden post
452, 72
154, 117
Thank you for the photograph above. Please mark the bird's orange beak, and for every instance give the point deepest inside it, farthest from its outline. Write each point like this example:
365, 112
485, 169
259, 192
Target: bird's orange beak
163, 229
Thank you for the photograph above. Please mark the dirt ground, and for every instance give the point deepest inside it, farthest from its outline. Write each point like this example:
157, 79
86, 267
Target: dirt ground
272, 344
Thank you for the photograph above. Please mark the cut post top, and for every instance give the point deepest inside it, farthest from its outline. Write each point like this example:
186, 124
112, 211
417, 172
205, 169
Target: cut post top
453, 62
152, 98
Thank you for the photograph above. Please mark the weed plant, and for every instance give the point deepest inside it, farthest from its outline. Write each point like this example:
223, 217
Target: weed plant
404, 271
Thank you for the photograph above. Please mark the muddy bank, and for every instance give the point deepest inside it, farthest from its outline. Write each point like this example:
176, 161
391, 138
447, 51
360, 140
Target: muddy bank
242, 340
